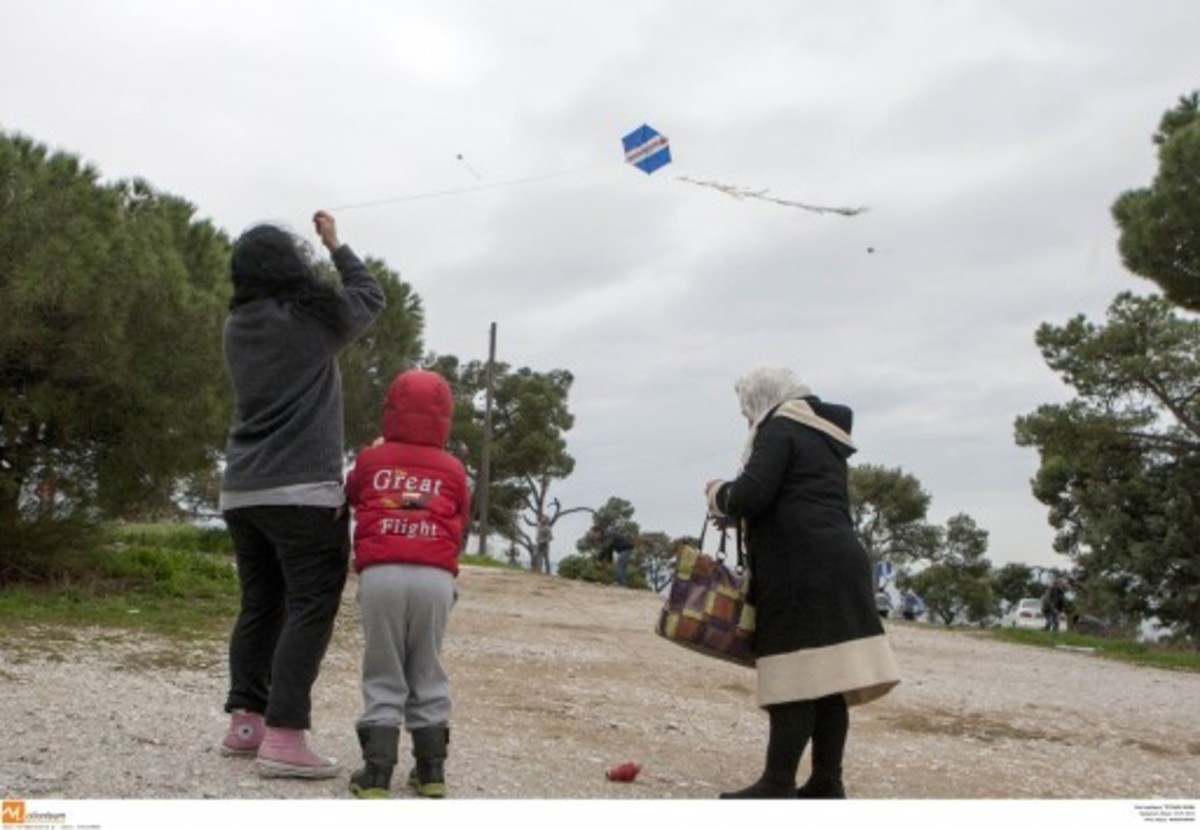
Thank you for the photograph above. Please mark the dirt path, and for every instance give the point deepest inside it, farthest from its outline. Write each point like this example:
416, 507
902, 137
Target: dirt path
554, 681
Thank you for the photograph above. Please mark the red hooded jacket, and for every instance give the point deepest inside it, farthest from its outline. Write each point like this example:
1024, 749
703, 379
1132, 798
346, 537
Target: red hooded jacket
410, 497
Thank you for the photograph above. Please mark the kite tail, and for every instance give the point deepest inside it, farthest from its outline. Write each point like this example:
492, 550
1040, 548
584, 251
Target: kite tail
738, 192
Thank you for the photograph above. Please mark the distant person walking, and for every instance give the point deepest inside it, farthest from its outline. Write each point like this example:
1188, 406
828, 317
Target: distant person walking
411, 507
282, 495
820, 645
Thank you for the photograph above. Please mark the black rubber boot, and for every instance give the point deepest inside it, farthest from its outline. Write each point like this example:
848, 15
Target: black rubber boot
380, 745
769, 786
822, 788
430, 747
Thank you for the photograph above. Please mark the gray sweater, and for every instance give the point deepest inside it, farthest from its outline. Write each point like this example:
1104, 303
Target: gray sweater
288, 422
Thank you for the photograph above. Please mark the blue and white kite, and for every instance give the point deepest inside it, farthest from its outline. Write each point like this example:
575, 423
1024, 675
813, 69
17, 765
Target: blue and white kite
646, 149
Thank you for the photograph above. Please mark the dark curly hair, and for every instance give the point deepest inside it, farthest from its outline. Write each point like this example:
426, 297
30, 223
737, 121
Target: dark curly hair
269, 262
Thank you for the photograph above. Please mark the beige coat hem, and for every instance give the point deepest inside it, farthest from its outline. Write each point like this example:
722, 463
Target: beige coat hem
863, 670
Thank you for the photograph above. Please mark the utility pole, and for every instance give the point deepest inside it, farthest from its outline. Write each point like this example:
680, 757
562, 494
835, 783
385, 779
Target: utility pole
485, 466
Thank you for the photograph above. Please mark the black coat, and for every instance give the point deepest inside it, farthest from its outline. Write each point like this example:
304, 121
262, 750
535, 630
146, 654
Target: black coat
810, 578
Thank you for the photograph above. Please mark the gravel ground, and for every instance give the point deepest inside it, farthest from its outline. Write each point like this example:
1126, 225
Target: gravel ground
555, 681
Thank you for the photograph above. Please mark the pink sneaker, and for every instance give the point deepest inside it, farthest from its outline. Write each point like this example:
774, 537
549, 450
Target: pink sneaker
284, 753
246, 730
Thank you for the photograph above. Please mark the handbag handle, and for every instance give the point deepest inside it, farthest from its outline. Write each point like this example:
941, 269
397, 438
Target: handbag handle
737, 533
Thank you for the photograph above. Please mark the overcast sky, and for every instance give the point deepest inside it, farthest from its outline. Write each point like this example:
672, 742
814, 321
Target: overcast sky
987, 139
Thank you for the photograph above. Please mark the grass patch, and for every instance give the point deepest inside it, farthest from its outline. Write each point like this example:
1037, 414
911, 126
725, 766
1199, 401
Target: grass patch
180, 537
1157, 655
173, 580
204, 614
486, 561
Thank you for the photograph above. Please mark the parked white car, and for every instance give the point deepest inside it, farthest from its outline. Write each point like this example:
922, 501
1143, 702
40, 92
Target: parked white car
1027, 613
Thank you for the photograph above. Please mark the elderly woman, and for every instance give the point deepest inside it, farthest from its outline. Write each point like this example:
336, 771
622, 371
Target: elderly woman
820, 645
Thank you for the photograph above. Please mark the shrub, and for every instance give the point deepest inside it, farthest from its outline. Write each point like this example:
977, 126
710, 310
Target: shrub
45, 552
585, 569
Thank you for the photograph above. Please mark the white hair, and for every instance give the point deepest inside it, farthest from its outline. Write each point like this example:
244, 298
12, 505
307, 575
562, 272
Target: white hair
761, 390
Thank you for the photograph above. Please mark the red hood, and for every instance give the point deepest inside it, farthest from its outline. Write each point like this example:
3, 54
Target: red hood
418, 409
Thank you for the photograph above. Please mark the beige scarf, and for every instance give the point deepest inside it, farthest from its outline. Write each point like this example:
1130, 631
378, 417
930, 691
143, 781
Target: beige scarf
803, 413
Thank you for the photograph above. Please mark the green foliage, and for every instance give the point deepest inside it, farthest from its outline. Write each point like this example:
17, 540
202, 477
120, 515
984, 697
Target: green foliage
1160, 224
616, 513
586, 569
159, 578
112, 298
964, 543
959, 582
45, 550
1106, 597
953, 591
656, 558
1120, 463
114, 400
164, 561
181, 537
486, 561
651, 565
164, 573
390, 346
1162, 656
888, 507
1015, 581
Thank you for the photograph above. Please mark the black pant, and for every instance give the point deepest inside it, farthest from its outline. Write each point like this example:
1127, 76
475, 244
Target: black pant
292, 565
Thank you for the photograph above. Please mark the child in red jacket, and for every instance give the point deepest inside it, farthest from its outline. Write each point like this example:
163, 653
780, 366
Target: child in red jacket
411, 506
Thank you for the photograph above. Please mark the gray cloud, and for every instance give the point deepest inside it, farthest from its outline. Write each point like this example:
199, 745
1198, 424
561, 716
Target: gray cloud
988, 141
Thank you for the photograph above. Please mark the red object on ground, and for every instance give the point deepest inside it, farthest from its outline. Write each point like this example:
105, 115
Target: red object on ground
624, 772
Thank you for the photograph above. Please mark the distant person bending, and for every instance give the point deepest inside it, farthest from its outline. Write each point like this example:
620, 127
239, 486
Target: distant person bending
819, 642
618, 544
281, 493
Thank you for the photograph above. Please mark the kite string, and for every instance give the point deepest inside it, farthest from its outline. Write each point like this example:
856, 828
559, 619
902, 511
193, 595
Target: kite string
413, 197
735, 191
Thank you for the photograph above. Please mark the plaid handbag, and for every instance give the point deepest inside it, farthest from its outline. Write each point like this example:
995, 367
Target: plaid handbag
706, 609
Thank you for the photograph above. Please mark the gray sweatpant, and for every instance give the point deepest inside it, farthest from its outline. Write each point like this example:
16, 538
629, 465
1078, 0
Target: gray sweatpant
404, 613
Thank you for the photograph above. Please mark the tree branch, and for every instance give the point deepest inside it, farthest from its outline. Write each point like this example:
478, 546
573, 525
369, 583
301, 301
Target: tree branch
1181, 445
569, 511
1172, 406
